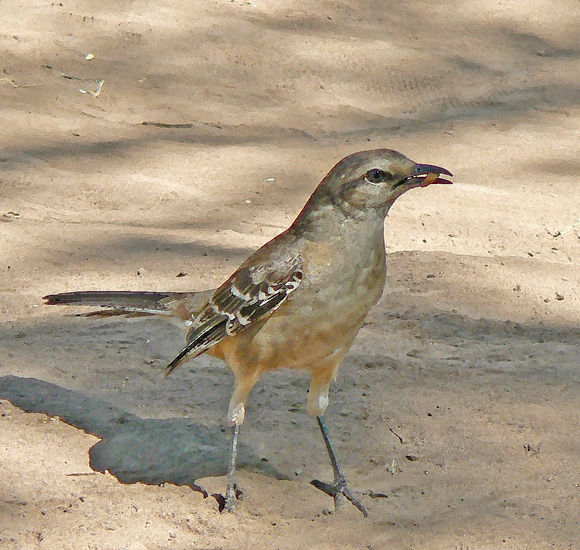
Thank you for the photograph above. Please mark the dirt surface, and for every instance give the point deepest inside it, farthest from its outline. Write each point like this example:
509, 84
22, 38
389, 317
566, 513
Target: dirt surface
154, 145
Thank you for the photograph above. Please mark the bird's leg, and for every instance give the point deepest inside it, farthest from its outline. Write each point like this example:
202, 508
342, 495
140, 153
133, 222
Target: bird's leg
236, 415
322, 376
340, 489
231, 490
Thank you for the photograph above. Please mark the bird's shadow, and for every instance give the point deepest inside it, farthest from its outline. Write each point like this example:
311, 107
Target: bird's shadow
134, 449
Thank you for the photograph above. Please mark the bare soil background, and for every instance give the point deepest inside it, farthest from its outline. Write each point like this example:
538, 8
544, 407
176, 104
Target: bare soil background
194, 135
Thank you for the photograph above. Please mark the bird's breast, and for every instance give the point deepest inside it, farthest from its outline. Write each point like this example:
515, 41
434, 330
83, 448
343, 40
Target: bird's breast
323, 314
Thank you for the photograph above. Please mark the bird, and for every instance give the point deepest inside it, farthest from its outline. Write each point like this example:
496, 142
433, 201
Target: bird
297, 302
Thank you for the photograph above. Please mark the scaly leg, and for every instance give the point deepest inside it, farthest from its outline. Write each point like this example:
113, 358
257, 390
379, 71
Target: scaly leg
231, 490
340, 489
236, 415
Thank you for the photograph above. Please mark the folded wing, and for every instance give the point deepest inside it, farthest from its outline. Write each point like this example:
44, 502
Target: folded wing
251, 294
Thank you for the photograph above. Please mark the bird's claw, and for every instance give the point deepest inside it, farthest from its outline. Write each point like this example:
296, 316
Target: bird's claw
339, 491
228, 503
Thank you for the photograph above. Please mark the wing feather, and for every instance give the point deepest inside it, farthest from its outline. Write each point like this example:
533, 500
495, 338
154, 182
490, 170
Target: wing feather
248, 296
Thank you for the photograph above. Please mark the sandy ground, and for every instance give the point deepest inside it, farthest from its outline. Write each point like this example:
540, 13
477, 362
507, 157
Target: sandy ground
213, 124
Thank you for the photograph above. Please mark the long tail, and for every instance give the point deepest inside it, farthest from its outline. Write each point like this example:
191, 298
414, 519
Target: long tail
182, 306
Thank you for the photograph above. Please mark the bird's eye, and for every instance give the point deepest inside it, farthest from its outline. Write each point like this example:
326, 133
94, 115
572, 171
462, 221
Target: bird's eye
376, 176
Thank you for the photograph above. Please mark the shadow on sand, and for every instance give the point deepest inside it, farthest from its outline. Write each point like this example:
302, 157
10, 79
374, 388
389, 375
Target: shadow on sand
133, 449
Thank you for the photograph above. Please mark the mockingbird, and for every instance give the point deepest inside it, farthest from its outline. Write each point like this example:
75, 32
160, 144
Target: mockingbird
299, 301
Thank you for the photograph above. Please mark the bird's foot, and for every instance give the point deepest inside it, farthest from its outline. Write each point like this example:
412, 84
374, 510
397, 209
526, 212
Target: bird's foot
339, 491
228, 503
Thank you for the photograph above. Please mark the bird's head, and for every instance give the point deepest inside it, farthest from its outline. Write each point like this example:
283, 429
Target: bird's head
373, 180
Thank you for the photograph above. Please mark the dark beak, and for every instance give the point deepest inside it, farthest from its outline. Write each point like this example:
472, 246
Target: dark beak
426, 174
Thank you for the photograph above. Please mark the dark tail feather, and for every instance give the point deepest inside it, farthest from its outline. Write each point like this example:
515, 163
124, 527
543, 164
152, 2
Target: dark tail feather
183, 306
119, 303
115, 313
